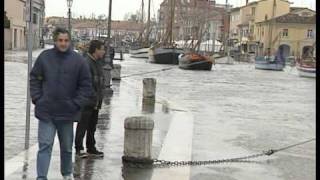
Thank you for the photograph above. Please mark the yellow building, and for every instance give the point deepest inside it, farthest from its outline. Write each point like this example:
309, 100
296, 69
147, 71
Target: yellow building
16, 36
294, 32
244, 19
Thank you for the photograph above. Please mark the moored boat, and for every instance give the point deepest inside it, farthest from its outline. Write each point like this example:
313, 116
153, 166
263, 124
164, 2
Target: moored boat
193, 61
307, 67
224, 60
306, 71
165, 55
268, 63
139, 53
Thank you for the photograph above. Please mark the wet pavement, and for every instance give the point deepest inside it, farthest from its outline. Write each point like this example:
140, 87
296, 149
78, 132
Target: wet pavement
231, 111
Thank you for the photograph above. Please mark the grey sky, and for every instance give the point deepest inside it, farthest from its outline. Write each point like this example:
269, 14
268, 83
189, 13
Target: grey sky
121, 7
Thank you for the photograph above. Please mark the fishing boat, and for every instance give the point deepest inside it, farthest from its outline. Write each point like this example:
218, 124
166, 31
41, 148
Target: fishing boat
307, 67
306, 71
165, 55
268, 63
139, 53
194, 61
166, 52
271, 61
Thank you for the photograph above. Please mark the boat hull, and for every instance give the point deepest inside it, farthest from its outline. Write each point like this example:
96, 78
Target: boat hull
306, 72
165, 55
139, 53
269, 66
261, 63
185, 62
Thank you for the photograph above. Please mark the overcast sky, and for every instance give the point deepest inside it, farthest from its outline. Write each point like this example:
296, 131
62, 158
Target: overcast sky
121, 7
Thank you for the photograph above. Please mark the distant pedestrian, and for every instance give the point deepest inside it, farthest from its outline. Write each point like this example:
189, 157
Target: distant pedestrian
60, 85
87, 124
112, 53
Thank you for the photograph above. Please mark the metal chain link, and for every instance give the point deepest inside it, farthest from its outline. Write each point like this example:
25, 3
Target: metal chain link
157, 163
162, 163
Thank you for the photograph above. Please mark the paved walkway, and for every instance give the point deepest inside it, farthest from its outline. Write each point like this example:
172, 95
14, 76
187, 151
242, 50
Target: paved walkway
126, 101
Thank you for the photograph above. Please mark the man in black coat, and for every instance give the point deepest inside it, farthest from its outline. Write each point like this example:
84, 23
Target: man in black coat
60, 85
89, 118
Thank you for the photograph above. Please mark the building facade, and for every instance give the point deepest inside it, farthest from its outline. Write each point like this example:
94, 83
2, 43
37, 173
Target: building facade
16, 35
18, 32
244, 19
294, 32
89, 29
192, 15
38, 22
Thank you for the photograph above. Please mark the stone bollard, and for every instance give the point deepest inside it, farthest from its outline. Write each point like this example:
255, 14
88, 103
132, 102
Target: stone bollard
121, 55
138, 140
165, 107
107, 80
116, 72
149, 89
148, 106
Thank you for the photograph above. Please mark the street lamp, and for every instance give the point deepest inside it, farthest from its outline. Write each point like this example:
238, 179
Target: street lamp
69, 3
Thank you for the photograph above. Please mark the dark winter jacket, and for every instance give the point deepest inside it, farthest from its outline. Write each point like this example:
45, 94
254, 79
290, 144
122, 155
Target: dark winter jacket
97, 82
60, 85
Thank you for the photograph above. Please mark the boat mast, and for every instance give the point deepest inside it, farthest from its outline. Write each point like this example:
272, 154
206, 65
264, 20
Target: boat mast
140, 38
272, 22
142, 11
148, 25
173, 2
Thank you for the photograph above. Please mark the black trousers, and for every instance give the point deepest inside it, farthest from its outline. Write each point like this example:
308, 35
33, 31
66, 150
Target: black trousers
87, 125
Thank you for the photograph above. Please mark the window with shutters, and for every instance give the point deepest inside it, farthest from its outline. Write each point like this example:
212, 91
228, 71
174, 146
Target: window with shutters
310, 33
35, 18
285, 33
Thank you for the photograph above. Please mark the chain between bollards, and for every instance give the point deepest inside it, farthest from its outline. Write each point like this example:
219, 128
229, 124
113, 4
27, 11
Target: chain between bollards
156, 163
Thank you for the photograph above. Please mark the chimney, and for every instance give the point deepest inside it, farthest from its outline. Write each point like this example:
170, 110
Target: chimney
247, 1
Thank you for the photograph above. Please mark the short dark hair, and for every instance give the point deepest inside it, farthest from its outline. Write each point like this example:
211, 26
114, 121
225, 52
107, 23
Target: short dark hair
59, 30
94, 44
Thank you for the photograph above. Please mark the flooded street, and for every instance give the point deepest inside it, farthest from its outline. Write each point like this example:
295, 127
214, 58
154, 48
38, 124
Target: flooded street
231, 111
238, 111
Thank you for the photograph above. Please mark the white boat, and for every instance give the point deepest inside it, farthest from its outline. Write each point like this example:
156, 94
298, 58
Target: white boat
139, 53
268, 64
224, 60
306, 71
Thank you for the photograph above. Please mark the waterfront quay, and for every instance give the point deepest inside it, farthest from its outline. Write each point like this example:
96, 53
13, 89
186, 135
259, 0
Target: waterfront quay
230, 111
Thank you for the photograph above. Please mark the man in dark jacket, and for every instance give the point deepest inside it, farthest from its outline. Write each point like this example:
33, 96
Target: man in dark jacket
60, 85
90, 112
